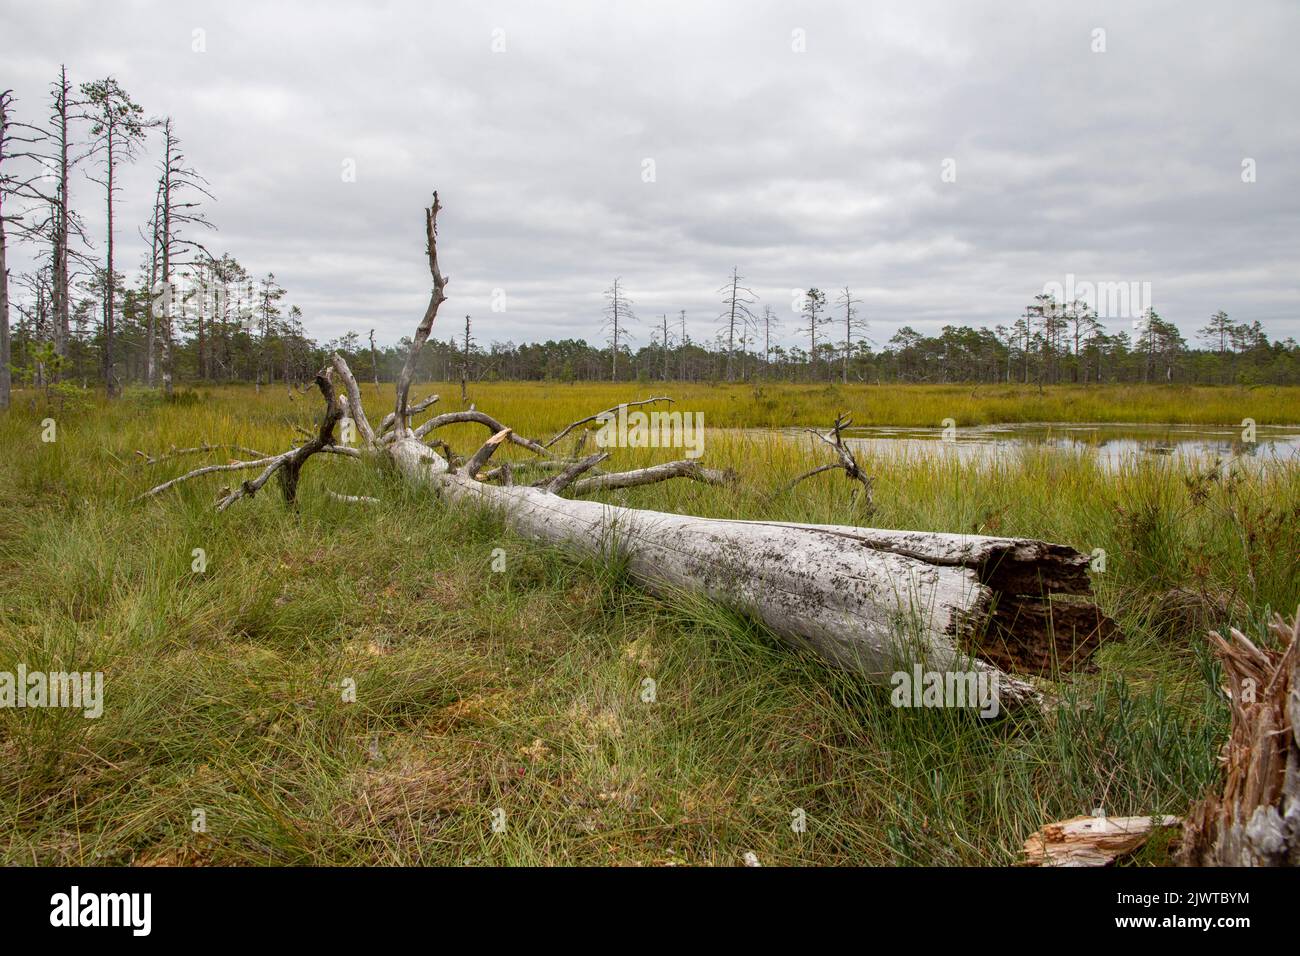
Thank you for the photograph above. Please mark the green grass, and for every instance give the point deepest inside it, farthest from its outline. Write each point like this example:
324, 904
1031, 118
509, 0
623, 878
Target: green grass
523, 690
550, 406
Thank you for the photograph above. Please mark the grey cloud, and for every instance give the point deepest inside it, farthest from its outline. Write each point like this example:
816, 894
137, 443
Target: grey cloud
816, 168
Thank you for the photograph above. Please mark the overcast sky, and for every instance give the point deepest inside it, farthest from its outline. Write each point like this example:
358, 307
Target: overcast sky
805, 143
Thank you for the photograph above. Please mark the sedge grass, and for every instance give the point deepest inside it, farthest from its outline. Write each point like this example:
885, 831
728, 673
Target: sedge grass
518, 698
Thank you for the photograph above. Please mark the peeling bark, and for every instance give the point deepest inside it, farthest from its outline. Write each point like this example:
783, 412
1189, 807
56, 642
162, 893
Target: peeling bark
1254, 820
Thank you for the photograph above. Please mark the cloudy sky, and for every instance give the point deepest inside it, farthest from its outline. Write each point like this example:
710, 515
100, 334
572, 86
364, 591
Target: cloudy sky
667, 142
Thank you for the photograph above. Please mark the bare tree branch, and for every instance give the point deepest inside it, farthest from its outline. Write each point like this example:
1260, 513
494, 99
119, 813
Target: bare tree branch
208, 470
288, 464
175, 452
609, 411
847, 461
354, 410
535, 464
340, 450
436, 298
481, 456
686, 468
815, 471
414, 410
456, 418
566, 477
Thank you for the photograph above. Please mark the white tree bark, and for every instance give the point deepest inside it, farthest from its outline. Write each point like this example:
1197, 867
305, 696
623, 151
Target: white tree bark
873, 601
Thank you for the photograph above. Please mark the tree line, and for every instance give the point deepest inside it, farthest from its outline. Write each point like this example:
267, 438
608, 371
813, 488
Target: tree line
188, 314
1051, 342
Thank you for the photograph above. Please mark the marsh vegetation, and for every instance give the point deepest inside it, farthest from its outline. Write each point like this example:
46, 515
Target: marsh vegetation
522, 690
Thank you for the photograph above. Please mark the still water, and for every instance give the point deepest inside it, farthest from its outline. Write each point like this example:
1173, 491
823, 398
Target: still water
1111, 444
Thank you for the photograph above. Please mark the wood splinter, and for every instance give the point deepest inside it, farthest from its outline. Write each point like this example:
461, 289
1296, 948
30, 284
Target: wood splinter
1091, 841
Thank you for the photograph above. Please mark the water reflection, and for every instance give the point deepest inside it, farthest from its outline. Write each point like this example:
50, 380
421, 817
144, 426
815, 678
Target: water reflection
1110, 444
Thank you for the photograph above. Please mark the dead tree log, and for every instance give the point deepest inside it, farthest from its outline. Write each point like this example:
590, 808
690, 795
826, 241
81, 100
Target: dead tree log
874, 601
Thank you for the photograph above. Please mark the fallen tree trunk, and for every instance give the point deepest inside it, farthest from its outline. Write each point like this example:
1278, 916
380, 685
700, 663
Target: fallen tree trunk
874, 601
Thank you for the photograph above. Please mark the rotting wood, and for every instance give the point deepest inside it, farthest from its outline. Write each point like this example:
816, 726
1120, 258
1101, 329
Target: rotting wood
1254, 818
1091, 841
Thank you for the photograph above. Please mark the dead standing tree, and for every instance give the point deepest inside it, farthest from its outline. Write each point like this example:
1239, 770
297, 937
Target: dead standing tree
374, 360
853, 324
19, 142
870, 600
117, 129
8, 186
464, 365
179, 189
736, 318
617, 315
61, 226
